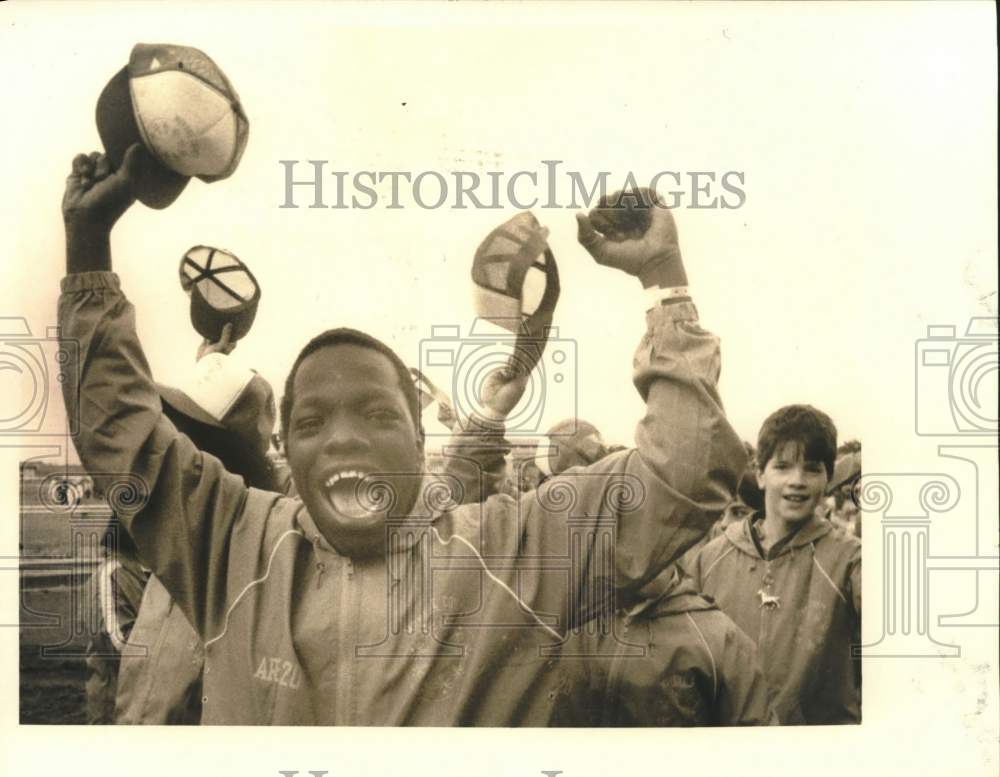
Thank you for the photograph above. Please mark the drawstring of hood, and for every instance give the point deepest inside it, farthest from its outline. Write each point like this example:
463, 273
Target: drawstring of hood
320, 565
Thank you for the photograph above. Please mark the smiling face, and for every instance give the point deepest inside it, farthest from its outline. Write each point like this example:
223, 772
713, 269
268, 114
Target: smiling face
350, 420
792, 485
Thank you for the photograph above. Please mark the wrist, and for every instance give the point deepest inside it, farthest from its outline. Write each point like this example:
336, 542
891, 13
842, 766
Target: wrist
491, 416
664, 271
485, 422
88, 248
669, 296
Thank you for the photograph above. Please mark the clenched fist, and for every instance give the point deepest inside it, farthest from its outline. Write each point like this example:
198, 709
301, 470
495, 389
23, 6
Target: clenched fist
634, 232
96, 194
225, 344
95, 198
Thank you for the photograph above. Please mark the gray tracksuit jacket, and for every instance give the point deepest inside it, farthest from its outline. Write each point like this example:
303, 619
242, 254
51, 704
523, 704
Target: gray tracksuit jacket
461, 621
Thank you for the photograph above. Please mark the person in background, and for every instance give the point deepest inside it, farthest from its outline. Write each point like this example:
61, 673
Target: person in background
670, 658
524, 474
844, 511
749, 498
570, 443
791, 580
116, 586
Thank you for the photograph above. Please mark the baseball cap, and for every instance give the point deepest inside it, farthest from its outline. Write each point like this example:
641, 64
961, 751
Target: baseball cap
514, 273
222, 290
219, 393
180, 106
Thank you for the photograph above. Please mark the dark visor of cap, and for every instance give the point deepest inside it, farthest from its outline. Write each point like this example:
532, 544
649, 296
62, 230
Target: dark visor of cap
156, 186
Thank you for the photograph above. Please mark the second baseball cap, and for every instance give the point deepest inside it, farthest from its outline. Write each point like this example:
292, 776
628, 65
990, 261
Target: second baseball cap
222, 290
514, 273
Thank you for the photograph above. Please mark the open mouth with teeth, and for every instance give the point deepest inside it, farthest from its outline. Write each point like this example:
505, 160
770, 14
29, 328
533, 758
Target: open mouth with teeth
346, 494
796, 499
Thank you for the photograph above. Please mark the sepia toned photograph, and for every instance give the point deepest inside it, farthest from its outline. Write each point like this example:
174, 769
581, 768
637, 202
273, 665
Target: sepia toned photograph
495, 367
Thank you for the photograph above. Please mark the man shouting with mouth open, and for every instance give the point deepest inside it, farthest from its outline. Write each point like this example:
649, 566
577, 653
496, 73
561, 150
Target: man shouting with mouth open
370, 600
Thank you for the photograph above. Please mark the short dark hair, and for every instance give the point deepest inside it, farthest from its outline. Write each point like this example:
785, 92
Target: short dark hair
802, 424
347, 336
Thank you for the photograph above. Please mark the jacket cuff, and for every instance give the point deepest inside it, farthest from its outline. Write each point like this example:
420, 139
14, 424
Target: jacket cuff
480, 425
670, 310
90, 281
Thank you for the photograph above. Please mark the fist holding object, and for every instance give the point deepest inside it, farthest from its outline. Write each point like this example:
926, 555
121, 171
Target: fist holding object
171, 114
166, 116
177, 104
515, 286
633, 231
224, 293
516, 280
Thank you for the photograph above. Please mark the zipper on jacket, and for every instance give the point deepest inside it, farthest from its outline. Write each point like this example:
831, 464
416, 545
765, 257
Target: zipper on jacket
616, 672
767, 580
346, 625
320, 565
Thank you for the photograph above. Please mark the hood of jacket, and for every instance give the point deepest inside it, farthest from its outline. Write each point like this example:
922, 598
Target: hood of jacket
739, 534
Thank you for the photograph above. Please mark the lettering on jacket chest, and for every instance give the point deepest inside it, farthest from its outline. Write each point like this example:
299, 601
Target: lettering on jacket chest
277, 671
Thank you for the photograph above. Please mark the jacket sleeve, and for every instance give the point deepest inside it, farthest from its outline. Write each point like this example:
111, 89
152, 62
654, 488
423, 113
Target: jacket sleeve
742, 698
687, 456
178, 504
854, 582
475, 457
616, 524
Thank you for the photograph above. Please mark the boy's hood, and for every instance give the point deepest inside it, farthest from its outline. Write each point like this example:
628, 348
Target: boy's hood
739, 534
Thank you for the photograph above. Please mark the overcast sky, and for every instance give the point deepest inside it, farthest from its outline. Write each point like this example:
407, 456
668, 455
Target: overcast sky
866, 215
866, 133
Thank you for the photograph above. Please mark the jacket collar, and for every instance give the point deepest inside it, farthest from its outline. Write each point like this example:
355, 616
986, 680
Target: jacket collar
739, 534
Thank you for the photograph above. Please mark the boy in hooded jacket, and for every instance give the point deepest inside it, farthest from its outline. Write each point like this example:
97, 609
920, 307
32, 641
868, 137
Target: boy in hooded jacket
791, 580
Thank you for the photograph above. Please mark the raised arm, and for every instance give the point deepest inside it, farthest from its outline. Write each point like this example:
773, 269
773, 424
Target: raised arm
687, 458
620, 521
186, 503
475, 454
